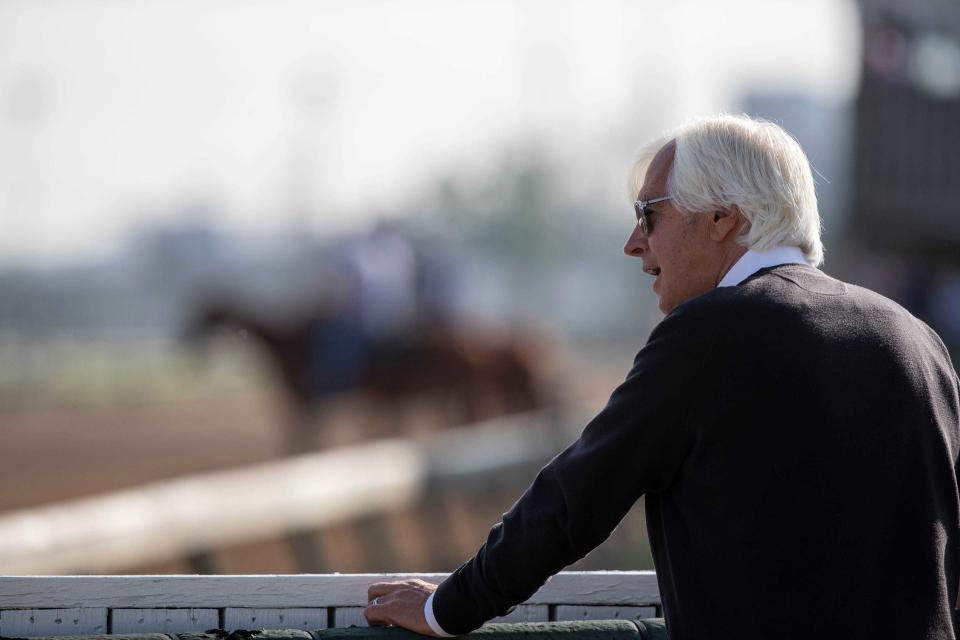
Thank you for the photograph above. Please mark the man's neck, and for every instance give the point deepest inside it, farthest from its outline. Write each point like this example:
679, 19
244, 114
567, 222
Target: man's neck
730, 260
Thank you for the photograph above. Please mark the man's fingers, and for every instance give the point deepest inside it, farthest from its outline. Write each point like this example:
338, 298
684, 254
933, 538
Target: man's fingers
378, 589
376, 615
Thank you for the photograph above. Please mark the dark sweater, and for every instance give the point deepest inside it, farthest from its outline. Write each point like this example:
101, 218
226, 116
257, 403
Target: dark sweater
796, 439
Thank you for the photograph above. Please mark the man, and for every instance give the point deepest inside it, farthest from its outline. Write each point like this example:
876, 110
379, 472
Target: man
796, 437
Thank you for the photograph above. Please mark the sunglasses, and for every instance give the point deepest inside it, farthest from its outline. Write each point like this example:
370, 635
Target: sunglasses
643, 210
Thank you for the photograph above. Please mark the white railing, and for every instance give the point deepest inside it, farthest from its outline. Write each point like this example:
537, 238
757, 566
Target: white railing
172, 519
86, 605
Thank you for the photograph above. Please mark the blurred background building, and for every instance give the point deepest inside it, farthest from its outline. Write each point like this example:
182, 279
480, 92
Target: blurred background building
373, 180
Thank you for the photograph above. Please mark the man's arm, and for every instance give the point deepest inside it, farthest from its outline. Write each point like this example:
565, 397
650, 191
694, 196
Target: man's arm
636, 444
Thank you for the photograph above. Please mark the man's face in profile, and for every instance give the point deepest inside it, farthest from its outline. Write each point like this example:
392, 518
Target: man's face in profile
678, 250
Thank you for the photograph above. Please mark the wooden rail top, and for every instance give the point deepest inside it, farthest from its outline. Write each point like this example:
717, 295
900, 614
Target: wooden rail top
39, 606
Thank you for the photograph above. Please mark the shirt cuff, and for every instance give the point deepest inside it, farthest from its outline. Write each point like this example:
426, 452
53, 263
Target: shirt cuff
432, 620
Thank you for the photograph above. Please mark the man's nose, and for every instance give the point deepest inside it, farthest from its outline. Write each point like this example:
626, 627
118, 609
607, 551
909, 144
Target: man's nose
636, 243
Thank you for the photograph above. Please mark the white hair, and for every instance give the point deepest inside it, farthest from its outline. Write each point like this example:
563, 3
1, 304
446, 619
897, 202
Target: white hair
754, 165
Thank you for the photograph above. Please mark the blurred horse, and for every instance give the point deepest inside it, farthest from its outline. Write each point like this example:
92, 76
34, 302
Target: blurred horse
321, 354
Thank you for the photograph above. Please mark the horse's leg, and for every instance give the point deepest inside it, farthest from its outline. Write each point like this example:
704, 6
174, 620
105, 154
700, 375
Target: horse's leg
306, 551
463, 404
521, 395
298, 429
297, 439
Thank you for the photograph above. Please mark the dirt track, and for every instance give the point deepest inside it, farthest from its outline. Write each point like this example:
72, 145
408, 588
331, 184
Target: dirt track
61, 453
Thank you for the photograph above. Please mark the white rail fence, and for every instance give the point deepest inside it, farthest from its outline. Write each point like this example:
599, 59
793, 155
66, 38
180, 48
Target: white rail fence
185, 516
86, 605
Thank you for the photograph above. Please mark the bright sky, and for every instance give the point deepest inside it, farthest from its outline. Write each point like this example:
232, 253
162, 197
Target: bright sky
114, 113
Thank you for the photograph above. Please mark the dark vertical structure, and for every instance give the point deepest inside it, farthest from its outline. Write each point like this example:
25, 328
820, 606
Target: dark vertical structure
906, 174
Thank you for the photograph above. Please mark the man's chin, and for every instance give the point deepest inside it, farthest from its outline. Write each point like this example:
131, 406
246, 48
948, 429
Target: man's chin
662, 302
667, 303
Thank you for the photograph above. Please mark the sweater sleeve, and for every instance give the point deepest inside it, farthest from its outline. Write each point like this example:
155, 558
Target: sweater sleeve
636, 444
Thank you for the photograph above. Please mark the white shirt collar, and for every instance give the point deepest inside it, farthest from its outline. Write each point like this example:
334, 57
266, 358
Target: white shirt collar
752, 261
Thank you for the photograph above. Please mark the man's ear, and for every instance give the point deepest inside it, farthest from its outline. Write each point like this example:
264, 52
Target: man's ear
724, 222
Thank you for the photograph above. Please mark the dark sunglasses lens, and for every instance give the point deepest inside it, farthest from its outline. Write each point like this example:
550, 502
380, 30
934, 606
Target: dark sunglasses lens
643, 218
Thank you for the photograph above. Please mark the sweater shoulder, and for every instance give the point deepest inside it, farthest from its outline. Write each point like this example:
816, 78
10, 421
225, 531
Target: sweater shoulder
800, 294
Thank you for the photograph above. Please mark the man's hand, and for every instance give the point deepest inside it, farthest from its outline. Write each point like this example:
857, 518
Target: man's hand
400, 604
